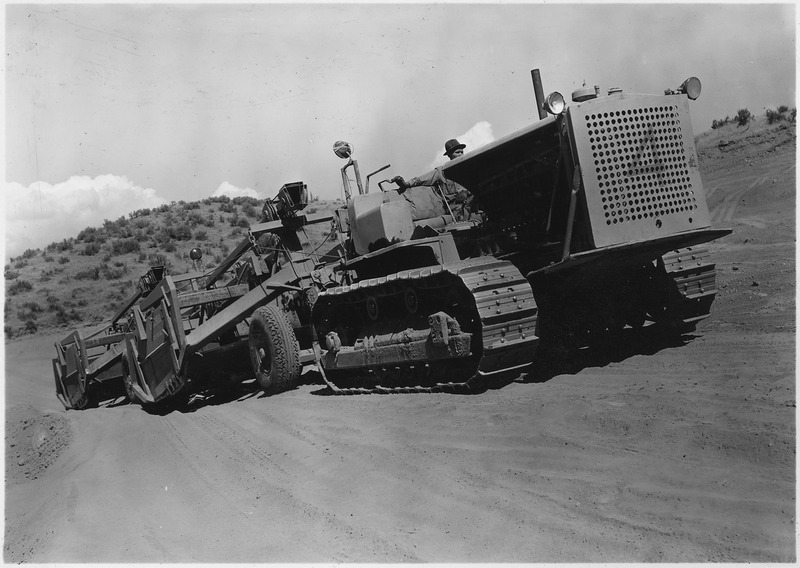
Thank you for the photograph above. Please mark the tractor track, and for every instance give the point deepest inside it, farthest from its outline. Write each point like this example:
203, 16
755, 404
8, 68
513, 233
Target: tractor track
503, 304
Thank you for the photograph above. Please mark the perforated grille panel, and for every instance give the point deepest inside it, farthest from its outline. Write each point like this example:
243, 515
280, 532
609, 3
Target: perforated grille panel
639, 167
639, 163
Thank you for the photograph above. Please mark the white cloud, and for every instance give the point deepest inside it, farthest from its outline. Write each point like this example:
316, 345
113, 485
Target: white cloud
226, 188
41, 213
479, 135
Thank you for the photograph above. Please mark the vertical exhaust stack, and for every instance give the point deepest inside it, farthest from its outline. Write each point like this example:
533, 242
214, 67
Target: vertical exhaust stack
539, 92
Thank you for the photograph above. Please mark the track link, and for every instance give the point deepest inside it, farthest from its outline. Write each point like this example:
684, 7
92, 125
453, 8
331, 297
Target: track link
691, 287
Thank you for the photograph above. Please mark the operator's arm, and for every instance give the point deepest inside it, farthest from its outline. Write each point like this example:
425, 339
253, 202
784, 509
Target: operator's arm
432, 178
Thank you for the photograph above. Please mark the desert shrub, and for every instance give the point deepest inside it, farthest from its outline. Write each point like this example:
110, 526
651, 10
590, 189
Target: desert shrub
118, 228
31, 326
30, 253
33, 307
63, 259
743, 117
200, 235
167, 234
140, 224
10, 274
236, 231
793, 114
29, 311
183, 233
63, 246
249, 211
162, 208
783, 108
21, 263
774, 116
9, 331
227, 207
139, 213
194, 218
113, 272
714, 124
92, 234
18, 287
170, 246
47, 257
88, 274
191, 206
158, 259
124, 246
225, 249
64, 317
90, 249
243, 223
245, 200
26, 315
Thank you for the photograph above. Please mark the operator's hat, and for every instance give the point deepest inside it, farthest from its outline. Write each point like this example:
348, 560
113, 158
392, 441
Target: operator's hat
451, 145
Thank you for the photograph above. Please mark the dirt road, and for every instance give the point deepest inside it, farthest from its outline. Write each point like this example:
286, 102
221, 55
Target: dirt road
654, 452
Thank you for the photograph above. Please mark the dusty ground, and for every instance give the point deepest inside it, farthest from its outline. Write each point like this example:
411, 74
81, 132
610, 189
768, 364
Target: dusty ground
657, 452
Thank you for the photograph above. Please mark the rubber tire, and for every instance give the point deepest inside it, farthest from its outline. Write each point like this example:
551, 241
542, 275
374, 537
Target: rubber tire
279, 368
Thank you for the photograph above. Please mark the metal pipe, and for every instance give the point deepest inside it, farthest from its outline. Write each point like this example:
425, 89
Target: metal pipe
358, 177
375, 172
346, 180
576, 186
539, 92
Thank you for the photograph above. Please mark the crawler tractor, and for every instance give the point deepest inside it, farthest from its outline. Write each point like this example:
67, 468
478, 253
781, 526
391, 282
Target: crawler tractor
587, 222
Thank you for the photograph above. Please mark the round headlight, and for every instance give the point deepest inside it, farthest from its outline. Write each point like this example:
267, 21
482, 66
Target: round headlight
554, 103
342, 149
195, 254
691, 87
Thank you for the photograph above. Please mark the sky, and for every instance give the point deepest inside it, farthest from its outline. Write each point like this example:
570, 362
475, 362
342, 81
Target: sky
111, 108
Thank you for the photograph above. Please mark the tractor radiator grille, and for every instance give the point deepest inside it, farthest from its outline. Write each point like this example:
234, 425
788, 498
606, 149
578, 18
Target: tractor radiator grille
640, 163
639, 167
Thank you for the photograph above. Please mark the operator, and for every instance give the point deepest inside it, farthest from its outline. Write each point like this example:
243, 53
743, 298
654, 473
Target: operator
458, 198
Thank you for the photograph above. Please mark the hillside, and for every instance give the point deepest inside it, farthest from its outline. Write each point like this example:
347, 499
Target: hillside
729, 145
83, 280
